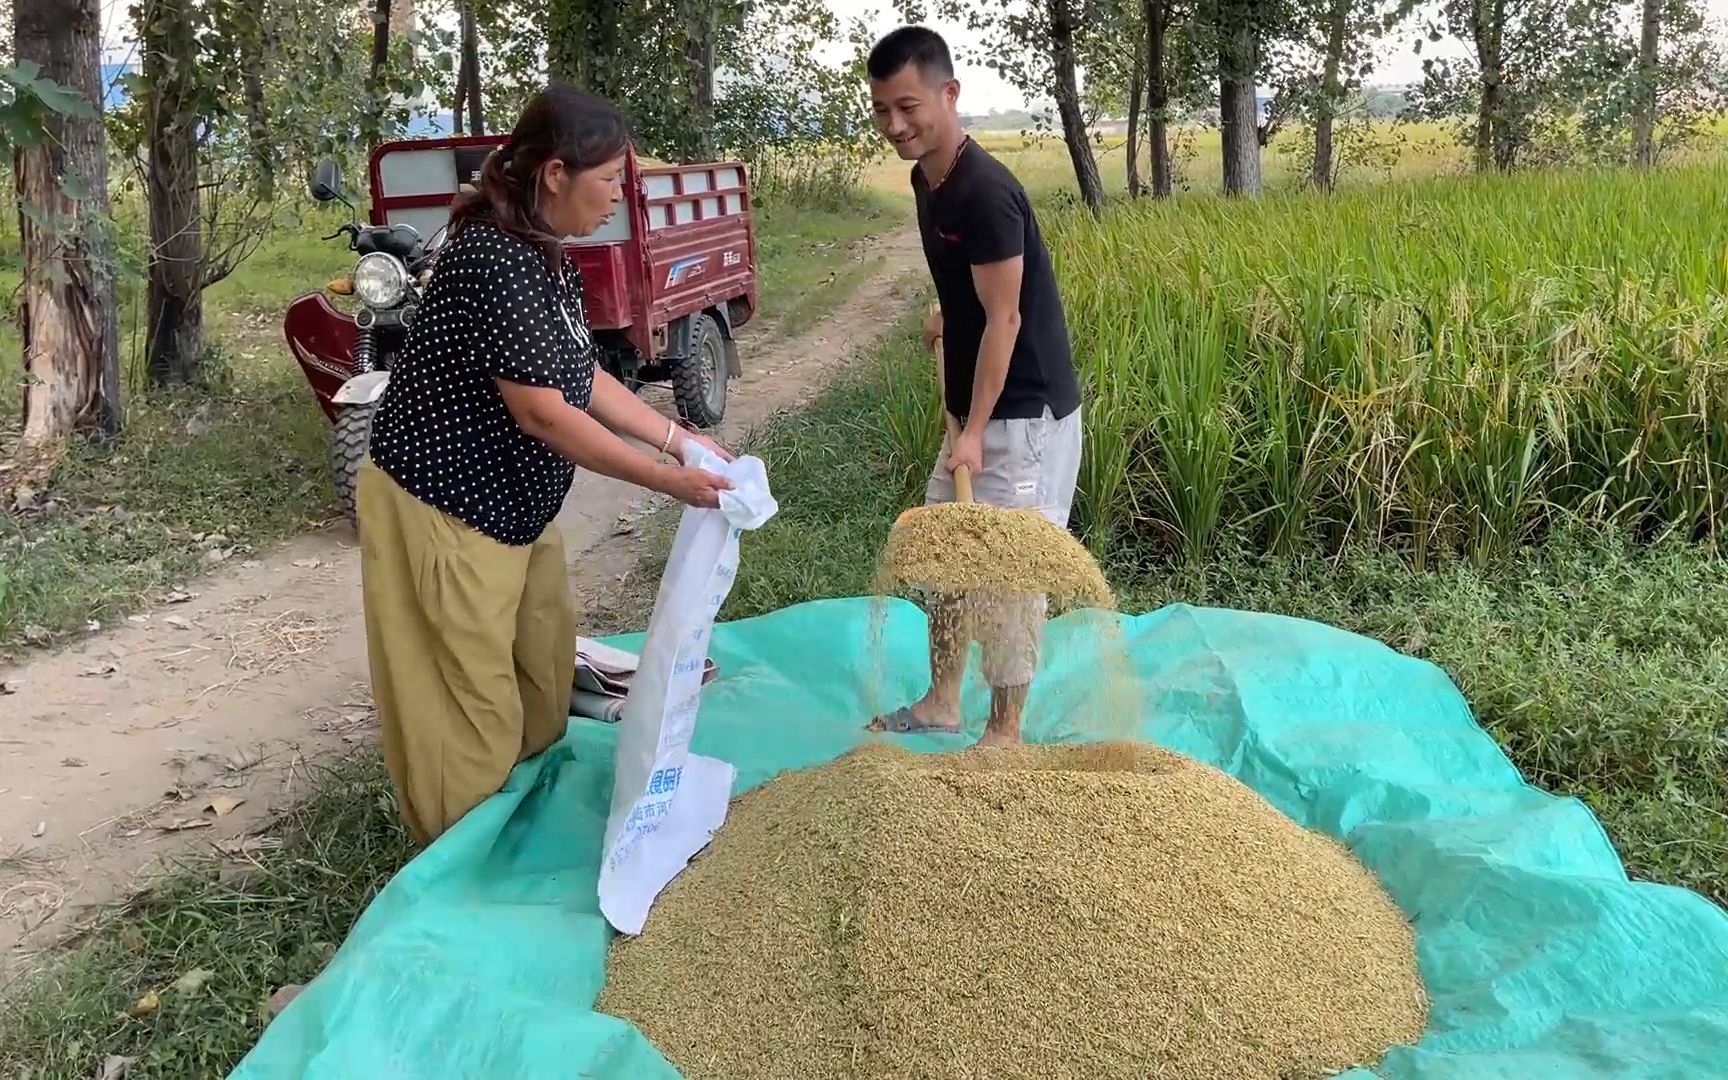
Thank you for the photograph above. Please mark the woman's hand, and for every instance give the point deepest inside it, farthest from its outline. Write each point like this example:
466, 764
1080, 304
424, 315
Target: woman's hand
686, 435
543, 413
694, 487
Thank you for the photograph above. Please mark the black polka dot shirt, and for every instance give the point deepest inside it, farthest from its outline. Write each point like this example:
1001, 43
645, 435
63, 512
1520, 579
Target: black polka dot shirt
492, 310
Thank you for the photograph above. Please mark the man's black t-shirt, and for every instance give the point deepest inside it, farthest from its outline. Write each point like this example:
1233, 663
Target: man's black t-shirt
979, 214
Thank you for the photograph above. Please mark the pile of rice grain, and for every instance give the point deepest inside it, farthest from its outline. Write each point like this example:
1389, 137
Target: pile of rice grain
970, 547
1103, 910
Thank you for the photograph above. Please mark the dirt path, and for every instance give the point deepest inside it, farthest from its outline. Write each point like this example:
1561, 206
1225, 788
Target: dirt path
139, 743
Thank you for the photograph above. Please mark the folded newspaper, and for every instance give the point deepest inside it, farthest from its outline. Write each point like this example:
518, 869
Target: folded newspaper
603, 676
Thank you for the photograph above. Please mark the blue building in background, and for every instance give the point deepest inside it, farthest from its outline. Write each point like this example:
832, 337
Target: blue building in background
114, 88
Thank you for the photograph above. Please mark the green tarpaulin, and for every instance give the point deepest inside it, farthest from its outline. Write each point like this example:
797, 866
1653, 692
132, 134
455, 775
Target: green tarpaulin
484, 956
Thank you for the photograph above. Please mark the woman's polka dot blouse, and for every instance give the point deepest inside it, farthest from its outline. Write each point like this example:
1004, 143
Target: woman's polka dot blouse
491, 311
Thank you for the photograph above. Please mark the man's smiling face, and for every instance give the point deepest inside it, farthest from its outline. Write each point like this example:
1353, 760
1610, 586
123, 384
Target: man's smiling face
914, 113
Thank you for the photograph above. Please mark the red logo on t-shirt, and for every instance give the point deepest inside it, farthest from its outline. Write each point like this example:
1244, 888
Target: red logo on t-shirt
951, 237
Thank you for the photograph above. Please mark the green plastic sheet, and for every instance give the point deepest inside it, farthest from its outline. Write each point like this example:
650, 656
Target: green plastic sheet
483, 957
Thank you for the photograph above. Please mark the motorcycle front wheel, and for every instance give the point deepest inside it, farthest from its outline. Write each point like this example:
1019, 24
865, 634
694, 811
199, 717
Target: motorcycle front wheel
349, 440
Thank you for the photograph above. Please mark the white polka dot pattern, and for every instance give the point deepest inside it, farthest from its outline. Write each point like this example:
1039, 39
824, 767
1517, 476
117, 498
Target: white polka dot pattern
492, 310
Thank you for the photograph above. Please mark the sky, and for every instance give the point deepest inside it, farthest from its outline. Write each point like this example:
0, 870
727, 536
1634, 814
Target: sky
982, 90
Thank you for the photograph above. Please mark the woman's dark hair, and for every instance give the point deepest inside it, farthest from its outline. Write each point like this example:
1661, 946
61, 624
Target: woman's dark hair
580, 129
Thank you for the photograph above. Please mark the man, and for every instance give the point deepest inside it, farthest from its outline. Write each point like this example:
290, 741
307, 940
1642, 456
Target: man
1008, 373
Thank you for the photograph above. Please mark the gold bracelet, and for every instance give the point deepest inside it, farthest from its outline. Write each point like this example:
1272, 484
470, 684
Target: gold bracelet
671, 430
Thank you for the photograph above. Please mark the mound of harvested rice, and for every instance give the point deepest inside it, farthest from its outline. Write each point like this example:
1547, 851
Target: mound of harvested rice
1106, 910
969, 547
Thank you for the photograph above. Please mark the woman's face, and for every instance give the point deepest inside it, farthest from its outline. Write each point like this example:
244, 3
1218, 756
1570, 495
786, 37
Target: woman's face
575, 202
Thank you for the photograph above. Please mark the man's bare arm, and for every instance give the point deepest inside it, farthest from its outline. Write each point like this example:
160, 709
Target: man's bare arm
998, 286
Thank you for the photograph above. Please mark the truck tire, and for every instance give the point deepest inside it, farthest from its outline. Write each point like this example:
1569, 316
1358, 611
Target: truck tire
699, 383
349, 440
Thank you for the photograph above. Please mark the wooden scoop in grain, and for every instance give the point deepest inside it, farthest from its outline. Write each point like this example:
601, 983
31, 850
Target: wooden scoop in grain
965, 546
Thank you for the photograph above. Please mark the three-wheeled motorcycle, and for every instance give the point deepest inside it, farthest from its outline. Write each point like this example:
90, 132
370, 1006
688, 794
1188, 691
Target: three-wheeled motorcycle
667, 282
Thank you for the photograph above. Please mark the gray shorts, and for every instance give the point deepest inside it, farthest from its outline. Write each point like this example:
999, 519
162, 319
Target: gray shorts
1031, 464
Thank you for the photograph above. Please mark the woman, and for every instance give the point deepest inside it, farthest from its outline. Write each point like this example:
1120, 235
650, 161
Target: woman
495, 402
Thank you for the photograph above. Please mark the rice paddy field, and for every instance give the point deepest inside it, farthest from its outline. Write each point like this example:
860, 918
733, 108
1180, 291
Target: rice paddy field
1460, 363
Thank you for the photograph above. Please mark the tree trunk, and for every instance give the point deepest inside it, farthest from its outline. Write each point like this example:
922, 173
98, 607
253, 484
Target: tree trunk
380, 68
458, 107
1238, 112
174, 331
255, 46
471, 61
1157, 14
1331, 95
1644, 118
1488, 119
1136, 90
380, 40
701, 27
1067, 91
1489, 30
66, 305
1482, 148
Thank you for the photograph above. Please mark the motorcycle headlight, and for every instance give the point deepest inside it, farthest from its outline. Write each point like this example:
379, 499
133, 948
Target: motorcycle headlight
380, 280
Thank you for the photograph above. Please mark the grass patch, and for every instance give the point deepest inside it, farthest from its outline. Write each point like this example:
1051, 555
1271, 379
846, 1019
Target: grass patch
254, 925
1461, 365
809, 259
192, 481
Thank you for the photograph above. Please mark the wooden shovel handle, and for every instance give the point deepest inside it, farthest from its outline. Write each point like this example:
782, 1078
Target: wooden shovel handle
962, 475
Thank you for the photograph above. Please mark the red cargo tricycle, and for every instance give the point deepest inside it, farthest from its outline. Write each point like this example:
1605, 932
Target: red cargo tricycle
667, 281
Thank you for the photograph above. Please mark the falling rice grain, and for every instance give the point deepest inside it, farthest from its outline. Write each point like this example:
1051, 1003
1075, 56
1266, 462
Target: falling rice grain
1097, 910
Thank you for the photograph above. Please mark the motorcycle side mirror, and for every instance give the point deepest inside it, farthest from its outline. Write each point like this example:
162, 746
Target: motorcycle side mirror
326, 185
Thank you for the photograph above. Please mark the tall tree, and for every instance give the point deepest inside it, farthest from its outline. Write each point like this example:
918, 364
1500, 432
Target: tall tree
1668, 82
1136, 97
67, 310
1127, 65
1331, 94
174, 304
1488, 34
1159, 17
382, 24
1514, 86
807, 138
658, 59
1062, 29
229, 96
1238, 38
1229, 50
1341, 41
1036, 49
701, 28
470, 85
588, 44
1649, 57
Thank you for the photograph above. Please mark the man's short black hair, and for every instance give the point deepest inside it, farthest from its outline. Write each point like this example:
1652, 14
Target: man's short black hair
919, 46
